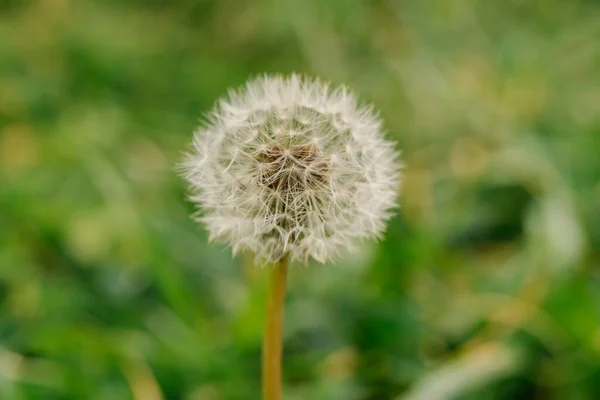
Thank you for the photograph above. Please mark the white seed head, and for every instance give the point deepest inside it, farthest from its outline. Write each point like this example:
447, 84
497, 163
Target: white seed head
288, 166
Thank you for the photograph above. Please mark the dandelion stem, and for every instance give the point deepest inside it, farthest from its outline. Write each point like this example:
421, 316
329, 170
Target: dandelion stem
272, 342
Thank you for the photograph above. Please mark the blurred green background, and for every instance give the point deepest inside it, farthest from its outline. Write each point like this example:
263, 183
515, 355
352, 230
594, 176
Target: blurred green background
486, 286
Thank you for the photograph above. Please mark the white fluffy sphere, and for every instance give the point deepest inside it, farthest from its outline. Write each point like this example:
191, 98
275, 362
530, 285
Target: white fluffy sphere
288, 166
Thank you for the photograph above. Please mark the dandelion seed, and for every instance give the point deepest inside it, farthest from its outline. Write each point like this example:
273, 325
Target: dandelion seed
288, 166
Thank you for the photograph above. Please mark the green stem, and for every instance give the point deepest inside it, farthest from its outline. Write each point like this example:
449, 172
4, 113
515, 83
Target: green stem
272, 343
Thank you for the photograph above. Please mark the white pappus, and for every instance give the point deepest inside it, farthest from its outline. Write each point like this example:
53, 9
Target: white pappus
289, 166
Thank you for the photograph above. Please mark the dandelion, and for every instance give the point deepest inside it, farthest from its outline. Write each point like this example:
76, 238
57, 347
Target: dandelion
290, 168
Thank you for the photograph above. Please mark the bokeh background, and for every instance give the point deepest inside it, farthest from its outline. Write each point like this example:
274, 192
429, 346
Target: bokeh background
486, 286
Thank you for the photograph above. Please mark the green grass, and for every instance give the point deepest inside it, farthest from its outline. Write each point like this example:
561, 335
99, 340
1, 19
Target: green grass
486, 285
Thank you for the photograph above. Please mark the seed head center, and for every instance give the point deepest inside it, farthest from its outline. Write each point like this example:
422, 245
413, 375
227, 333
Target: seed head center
294, 169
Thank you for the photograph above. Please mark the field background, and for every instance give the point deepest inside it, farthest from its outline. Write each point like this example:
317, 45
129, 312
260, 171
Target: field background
486, 286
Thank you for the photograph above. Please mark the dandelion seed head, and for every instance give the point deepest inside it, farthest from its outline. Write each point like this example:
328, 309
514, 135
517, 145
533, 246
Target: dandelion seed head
289, 166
